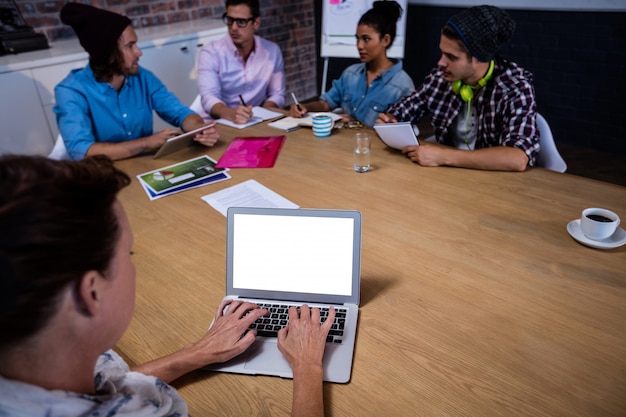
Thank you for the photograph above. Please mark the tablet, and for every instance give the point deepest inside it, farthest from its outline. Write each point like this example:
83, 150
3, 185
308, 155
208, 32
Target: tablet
397, 135
176, 143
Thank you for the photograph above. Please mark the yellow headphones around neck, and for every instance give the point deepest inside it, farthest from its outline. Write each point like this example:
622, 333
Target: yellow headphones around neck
467, 91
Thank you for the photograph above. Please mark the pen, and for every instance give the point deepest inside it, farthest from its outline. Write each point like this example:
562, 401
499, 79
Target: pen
295, 100
242, 101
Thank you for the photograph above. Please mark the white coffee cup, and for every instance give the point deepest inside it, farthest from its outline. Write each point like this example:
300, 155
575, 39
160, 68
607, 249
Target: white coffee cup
598, 223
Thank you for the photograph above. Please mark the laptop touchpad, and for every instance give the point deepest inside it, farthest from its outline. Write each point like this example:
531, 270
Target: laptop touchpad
265, 356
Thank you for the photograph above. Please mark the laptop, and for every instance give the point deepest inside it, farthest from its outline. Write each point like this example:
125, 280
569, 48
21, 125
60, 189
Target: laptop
290, 257
178, 142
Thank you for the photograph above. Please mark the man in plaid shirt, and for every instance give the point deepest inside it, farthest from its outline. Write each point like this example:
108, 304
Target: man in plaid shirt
482, 107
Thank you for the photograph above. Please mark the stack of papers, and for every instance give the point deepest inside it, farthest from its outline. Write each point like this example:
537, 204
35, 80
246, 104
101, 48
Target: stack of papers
182, 176
289, 124
259, 114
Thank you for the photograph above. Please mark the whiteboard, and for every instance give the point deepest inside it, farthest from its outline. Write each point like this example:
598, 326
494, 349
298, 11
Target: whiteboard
339, 22
549, 5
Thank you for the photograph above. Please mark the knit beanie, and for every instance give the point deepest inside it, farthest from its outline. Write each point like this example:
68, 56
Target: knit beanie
483, 29
97, 30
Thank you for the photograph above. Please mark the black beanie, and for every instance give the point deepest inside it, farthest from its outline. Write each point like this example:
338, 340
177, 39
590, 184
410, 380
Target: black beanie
97, 30
483, 29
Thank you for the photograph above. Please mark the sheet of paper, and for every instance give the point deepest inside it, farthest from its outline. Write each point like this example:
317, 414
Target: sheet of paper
246, 194
259, 114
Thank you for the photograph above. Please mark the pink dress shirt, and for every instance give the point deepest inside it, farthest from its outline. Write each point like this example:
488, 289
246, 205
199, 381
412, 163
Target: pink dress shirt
223, 75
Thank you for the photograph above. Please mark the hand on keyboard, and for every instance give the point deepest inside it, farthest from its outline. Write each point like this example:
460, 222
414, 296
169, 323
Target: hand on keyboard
277, 318
304, 339
224, 339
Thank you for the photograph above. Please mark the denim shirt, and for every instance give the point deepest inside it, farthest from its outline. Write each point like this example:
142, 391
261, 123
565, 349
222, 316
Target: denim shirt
363, 102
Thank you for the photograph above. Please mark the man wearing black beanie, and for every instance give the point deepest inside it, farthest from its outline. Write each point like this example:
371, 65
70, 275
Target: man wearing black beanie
481, 106
106, 108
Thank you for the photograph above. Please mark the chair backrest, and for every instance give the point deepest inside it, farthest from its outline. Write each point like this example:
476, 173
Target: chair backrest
197, 107
59, 151
549, 156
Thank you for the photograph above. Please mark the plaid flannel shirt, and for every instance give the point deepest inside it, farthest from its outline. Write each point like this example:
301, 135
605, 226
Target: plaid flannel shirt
505, 108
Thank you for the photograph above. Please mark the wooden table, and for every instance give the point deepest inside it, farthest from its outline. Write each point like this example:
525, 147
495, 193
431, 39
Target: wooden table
475, 299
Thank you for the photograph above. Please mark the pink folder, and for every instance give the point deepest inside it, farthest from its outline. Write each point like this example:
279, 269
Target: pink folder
252, 152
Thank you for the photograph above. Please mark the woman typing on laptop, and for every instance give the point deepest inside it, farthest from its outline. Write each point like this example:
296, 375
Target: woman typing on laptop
61, 315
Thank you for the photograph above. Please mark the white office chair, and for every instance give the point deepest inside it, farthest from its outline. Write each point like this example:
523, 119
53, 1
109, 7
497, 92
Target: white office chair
59, 151
549, 156
197, 107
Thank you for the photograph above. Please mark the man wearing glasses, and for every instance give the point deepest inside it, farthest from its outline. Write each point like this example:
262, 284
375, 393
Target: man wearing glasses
241, 70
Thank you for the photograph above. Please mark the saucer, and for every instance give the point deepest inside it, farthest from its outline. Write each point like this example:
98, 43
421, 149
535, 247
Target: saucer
614, 241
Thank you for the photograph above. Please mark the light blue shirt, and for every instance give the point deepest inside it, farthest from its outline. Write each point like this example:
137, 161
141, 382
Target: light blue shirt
89, 111
223, 74
363, 102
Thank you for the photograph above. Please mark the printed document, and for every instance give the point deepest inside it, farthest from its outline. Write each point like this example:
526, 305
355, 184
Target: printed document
247, 194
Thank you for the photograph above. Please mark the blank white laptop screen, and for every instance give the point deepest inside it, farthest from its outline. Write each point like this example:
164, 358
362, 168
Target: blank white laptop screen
293, 253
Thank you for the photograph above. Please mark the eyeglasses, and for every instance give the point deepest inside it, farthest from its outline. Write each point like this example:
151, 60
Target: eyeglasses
352, 124
242, 23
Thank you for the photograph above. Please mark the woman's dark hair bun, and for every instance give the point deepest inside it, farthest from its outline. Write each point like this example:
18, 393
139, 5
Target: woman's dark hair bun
390, 8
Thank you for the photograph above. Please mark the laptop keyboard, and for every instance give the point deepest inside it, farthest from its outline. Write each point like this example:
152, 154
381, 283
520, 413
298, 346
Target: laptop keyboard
268, 326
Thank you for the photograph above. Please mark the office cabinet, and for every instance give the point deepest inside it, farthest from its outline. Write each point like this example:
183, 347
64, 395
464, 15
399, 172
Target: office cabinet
46, 78
175, 63
25, 129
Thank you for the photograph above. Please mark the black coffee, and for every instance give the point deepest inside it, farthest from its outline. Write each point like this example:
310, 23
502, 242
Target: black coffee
599, 218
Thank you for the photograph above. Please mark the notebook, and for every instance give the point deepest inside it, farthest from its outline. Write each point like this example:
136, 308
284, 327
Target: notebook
259, 114
397, 135
293, 257
289, 124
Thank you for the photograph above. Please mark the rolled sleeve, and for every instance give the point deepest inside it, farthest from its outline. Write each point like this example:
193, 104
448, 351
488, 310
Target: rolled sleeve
333, 96
73, 120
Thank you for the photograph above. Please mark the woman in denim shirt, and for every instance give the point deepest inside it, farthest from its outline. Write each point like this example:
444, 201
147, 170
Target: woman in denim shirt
366, 89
